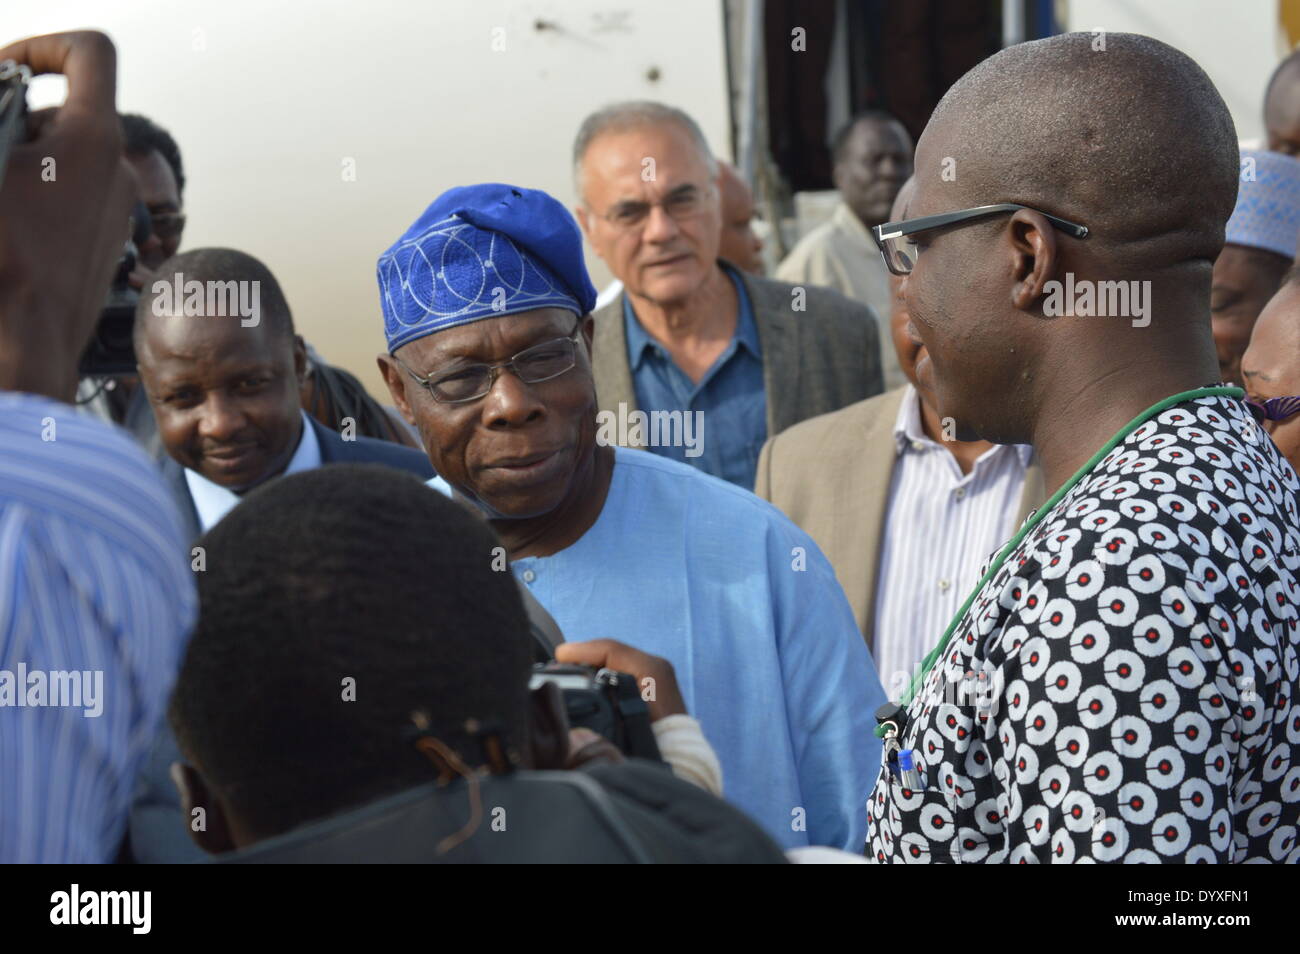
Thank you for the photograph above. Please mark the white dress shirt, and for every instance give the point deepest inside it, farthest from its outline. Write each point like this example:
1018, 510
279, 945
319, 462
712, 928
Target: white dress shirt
940, 527
212, 501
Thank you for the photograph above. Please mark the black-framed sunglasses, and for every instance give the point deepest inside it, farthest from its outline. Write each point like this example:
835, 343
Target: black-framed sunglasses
166, 225
895, 243
533, 365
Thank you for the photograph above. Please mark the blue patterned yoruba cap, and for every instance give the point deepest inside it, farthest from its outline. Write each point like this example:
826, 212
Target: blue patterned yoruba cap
1267, 214
482, 251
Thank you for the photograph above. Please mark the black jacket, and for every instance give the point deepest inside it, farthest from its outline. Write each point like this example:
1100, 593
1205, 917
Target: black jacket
631, 813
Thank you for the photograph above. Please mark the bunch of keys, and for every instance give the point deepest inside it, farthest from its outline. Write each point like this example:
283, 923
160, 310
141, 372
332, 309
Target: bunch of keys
14, 78
901, 762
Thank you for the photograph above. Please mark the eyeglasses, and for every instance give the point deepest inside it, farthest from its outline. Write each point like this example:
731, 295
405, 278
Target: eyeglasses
680, 204
899, 250
166, 225
541, 362
1274, 409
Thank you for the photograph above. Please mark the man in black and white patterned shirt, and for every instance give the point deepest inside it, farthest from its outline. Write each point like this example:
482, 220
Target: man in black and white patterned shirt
1124, 687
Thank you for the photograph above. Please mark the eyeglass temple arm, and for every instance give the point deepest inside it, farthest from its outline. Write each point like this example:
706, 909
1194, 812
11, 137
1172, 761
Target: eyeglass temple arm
895, 229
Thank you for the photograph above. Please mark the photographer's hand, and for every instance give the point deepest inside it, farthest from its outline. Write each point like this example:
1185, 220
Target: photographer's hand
663, 697
64, 207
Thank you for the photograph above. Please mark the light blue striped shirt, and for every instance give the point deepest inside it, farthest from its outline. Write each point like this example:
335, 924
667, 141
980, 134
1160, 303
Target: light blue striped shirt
92, 582
743, 604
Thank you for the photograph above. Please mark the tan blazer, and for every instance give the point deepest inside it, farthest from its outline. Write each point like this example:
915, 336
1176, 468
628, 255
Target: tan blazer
815, 360
831, 476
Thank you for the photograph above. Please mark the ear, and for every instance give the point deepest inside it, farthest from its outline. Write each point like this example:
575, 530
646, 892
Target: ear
581, 214
837, 176
587, 220
396, 381
299, 359
1034, 257
204, 815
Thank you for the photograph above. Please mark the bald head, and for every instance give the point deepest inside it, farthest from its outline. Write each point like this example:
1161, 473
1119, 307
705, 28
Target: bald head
739, 244
1098, 136
1273, 357
1282, 107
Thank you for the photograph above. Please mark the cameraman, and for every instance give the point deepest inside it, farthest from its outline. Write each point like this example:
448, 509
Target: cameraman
336, 603
155, 160
91, 581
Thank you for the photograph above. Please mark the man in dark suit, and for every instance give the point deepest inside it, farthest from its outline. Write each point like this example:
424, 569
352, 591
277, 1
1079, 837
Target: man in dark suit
721, 359
222, 367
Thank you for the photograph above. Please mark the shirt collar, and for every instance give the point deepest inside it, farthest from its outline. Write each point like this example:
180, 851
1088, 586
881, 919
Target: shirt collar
907, 423
639, 340
212, 501
847, 220
908, 432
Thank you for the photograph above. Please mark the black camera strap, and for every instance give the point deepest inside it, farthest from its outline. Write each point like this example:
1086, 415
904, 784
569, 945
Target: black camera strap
543, 627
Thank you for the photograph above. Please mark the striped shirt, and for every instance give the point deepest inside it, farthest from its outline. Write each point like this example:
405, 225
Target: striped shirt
95, 599
940, 527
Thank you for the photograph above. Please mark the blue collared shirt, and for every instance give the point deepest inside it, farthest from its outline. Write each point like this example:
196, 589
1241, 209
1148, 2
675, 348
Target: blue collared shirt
96, 597
730, 396
748, 611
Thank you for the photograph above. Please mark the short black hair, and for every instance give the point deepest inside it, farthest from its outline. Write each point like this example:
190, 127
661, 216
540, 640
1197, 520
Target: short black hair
143, 136
219, 265
841, 141
349, 571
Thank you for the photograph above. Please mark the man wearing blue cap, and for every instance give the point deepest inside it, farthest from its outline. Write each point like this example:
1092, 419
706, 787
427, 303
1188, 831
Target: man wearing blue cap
1260, 244
486, 304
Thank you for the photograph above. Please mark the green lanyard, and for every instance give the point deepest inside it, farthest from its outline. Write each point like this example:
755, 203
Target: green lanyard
933, 657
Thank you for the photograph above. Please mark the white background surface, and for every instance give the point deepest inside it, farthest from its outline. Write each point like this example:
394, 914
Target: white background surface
266, 99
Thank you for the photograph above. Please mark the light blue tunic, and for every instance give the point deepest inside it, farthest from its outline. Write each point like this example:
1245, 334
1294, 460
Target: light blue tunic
749, 612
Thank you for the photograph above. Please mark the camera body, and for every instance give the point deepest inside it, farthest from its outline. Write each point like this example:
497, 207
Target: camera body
604, 701
111, 350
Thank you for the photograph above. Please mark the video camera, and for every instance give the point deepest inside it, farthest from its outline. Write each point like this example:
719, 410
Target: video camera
110, 350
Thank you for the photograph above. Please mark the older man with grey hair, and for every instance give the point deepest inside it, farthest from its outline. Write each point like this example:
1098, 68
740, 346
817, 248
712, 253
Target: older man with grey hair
720, 359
